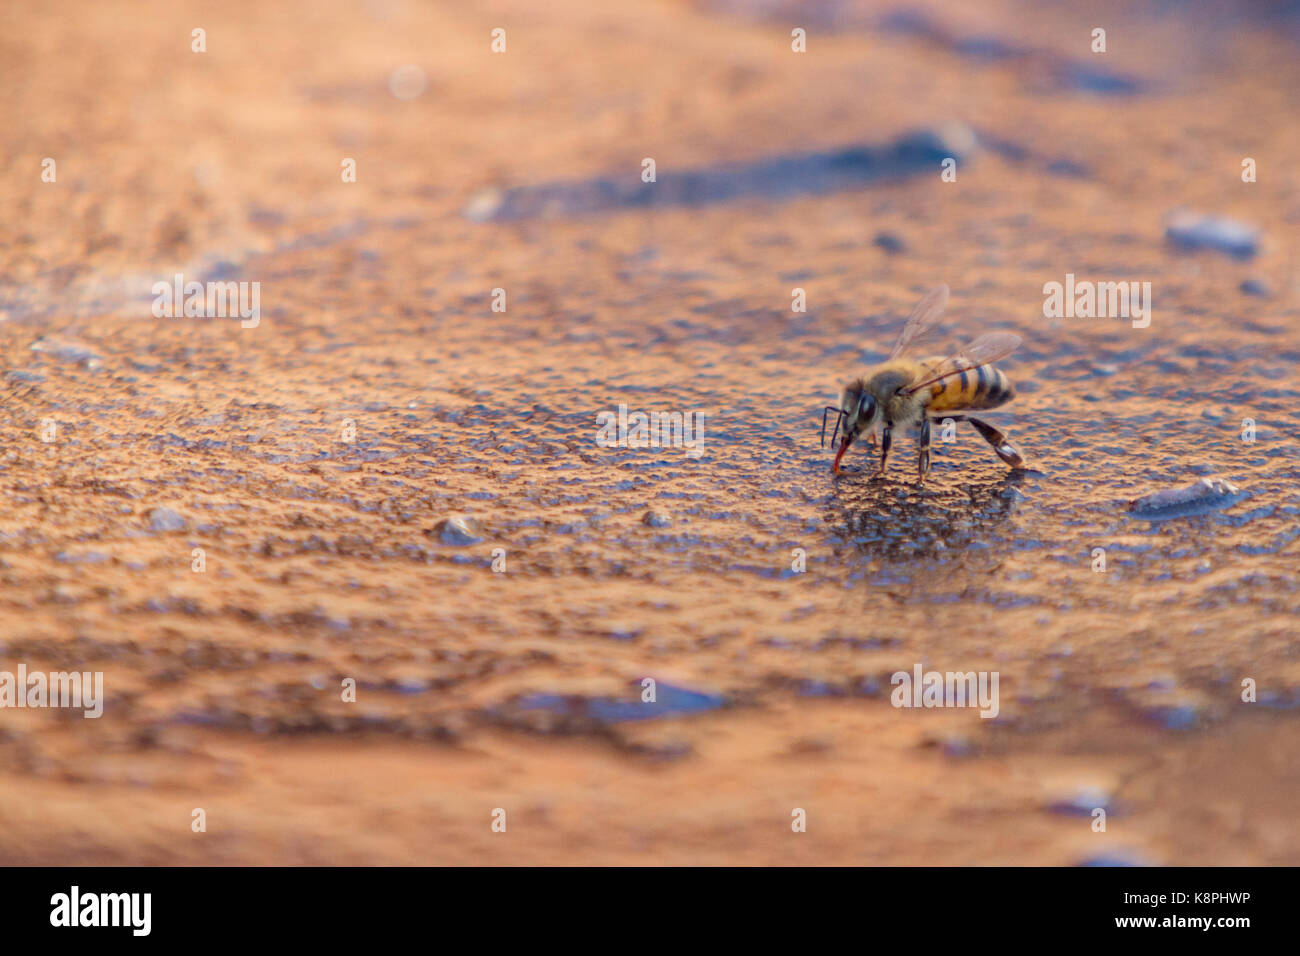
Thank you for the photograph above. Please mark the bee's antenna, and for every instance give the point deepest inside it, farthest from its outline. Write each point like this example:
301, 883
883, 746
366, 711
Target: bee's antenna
839, 416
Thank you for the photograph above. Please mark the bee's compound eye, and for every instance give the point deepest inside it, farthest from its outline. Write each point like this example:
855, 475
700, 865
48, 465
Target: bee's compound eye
866, 406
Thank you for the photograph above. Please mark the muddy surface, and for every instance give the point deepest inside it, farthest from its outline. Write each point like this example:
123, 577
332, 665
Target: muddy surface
311, 465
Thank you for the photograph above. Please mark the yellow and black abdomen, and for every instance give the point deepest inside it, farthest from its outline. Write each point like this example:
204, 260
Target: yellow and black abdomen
972, 388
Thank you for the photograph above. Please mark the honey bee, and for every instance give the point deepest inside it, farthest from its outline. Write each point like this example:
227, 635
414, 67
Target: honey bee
903, 392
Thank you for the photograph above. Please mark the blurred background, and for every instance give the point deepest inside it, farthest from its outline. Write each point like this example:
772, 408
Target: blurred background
388, 482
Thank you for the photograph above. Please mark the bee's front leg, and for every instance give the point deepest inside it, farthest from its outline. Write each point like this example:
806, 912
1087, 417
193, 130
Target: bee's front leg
885, 439
924, 464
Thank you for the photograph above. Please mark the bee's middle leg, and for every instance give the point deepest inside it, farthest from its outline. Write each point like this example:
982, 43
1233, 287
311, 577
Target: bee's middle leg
923, 465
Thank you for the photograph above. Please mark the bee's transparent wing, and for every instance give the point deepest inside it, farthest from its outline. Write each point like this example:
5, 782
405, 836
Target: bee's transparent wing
922, 319
988, 348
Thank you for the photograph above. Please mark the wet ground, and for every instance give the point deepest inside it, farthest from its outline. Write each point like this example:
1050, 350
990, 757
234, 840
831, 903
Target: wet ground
316, 459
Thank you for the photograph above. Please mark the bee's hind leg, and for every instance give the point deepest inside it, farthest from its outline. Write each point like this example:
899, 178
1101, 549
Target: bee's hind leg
1001, 444
923, 465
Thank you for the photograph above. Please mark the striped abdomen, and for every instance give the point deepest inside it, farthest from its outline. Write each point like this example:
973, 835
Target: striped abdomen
973, 388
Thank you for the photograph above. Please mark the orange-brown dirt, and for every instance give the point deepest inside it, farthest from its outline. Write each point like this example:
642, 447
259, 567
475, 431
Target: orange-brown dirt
326, 559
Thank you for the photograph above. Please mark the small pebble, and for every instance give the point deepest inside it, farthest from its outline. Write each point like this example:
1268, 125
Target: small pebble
1082, 802
83, 557
1191, 230
1120, 858
951, 744
483, 205
1201, 495
407, 82
164, 519
66, 350
890, 243
458, 530
656, 519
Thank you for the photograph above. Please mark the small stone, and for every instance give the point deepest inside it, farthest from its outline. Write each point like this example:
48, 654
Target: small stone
1082, 802
1176, 716
484, 204
1256, 287
66, 350
948, 139
950, 744
164, 519
459, 530
1118, 858
1202, 495
410, 685
81, 557
890, 243
656, 519
407, 82
1190, 230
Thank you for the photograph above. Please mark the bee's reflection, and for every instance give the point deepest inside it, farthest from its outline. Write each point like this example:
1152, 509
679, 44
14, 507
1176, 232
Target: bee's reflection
899, 521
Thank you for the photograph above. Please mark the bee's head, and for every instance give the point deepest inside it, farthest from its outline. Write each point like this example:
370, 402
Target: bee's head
859, 406
858, 412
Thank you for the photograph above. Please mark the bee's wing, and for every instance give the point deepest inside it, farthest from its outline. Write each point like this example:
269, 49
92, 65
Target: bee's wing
989, 347
922, 319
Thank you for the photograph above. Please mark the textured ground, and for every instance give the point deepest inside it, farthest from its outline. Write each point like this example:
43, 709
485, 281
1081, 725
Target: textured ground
476, 689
